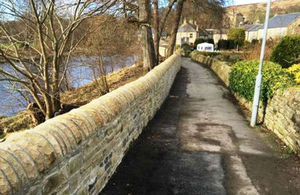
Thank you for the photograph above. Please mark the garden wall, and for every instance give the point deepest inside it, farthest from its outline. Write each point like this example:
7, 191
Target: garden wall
282, 112
76, 153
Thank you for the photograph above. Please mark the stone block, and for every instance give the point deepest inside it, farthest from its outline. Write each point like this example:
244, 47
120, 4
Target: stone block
82, 191
16, 165
53, 181
64, 191
75, 164
74, 181
36, 190
25, 160
5, 186
81, 123
37, 146
89, 118
76, 131
60, 142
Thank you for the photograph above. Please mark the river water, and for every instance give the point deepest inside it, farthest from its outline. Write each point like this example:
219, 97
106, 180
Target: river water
80, 72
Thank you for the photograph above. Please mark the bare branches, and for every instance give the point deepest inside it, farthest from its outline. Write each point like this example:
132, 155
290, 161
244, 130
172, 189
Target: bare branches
164, 18
37, 42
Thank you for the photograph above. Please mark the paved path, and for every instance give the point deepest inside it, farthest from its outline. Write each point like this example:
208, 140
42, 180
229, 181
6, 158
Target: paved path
200, 143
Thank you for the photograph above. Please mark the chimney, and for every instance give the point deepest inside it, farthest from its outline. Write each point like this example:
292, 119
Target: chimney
184, 21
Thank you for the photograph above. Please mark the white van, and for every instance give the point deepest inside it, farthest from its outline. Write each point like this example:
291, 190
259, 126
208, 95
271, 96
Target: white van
205, 47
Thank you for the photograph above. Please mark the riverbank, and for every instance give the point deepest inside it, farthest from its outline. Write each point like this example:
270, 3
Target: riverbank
82, 95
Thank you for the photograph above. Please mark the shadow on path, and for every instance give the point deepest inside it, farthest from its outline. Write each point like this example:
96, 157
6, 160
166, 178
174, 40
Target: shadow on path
200, 143
155, 164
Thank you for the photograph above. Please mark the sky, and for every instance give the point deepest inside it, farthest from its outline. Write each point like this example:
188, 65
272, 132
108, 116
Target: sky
240, 2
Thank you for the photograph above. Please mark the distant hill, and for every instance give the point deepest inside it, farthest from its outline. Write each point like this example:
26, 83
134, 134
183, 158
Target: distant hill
278, 7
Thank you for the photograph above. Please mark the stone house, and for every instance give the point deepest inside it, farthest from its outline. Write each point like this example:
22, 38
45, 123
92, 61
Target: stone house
218, 34
189, 32
252, 33
279, 26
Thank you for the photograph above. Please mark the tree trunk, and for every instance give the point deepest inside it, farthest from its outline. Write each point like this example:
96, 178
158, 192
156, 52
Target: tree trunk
55, 97
35, 113
175, 27
156, 30
146, 34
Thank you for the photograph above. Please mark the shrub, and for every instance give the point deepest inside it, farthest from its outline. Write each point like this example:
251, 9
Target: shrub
253, 52
247, 45
237, 35
226, 44
198, 41
186, 49
229, 57
287, 51
210, 41
294, 71
210, 54
222, 44
254, 42
243, 75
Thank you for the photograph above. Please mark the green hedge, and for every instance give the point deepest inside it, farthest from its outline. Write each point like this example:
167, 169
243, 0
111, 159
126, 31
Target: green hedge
226, 44
243, 75
186, 49
287, 51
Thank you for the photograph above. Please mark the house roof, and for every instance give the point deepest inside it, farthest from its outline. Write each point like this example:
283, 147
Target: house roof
255, 27
280, 21
186, 27
203, 32
248, 26
218, 31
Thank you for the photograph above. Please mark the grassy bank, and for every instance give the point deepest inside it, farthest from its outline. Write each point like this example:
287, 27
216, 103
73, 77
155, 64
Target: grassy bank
81, 95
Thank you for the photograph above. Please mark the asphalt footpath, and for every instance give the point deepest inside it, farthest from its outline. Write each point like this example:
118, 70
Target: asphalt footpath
200, 143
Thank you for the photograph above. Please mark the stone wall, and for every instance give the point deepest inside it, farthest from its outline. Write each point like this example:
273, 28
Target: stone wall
283, 117
76, 153
282, 113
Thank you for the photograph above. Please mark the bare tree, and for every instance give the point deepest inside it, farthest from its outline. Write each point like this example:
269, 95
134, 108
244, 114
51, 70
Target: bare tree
38, 52
177, 18
144, 17
160, 26
207, 14
156, 29
110, 42
212, 10
140, 13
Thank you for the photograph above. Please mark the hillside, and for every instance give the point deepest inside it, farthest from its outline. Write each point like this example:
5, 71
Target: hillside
278, 7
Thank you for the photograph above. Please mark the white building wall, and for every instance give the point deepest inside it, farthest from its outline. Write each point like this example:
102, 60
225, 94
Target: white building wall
186, 37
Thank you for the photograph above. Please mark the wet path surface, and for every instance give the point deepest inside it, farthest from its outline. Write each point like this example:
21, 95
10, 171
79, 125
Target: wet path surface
200, 143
